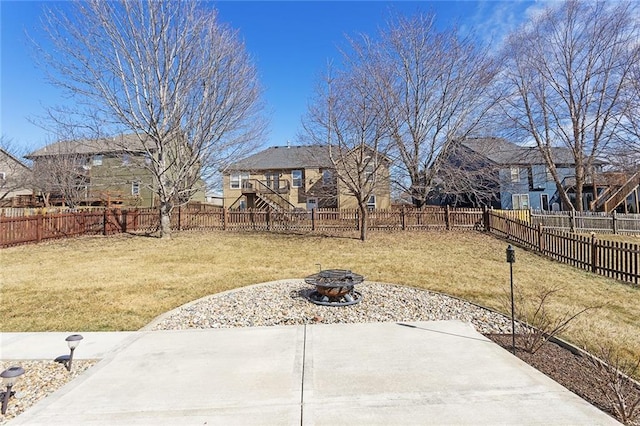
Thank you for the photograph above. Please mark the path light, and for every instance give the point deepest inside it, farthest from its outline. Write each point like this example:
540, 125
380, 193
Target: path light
9, 378
511, 259
73, 341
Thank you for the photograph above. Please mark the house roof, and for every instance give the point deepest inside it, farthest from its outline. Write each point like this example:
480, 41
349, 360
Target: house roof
285, 157
503, 152
121, 143
10, 156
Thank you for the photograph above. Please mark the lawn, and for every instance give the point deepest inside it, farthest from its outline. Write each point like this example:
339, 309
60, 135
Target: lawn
123, 282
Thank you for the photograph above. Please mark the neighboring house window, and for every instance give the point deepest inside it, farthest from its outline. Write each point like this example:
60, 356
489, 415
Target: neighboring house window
135, 188
327, 177
371, 202
237, 178
296, 178
272, 180
549, 175
544, 202
520, 201
3, 175
147, 159
126, 159
369, 168
97, 160
515, 174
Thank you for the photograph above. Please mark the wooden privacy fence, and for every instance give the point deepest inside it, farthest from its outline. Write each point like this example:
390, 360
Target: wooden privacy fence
612, 259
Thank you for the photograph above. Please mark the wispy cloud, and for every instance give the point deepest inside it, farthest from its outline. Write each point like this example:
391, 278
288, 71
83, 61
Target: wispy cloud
492, 21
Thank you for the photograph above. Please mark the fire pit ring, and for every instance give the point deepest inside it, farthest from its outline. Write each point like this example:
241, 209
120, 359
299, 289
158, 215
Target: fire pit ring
334, 287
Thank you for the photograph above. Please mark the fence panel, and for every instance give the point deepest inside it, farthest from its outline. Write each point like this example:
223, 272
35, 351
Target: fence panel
618, 260
609, 258
425, 218
332, 220
466, 218
20, 230
586, 222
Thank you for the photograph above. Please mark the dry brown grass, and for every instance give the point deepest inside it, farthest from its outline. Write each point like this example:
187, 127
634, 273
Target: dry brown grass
123, 282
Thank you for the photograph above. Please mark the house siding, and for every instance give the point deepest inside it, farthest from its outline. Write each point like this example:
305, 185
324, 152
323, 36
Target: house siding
532, 181
328, 195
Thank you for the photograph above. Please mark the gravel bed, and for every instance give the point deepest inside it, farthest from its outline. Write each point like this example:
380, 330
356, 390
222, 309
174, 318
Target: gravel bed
40, 378
276, 303
285, 303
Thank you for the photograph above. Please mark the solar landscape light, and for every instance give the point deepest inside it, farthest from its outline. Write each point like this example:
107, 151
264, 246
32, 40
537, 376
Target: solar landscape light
511, 259
73, 341
9, 378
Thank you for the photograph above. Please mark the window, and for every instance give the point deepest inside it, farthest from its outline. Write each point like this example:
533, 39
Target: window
312, 203
327, 177
237, 178
3, 175
369, 168
520, 201
135, 188
371, 202
544, 202
548, 174
296, 178
97, 160
147, 159
126, 159
515, 174
272, 180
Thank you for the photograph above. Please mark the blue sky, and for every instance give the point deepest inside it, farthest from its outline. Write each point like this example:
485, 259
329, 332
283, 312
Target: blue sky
290, 41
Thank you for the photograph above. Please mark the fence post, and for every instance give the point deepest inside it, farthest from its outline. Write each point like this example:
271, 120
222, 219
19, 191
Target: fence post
105, 221
485, 218
594, 253
614, 222
313, 219
402, 218
225, 218
572, 221
39, 227
540, 239
446, 217
268, 219
357, 221
124, 221
136, 220
179, 218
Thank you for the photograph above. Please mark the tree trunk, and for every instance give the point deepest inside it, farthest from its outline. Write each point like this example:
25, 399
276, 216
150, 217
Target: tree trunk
165, 220
364, 220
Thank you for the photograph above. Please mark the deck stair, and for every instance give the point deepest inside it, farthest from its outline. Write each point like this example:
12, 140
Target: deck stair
261, 195
614, 195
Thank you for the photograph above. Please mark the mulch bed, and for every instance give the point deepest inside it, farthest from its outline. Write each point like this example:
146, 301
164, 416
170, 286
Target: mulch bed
575, 372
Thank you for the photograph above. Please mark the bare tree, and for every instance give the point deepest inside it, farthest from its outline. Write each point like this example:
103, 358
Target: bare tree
61, 176
14, 174
466, 178
346, 118
625, 154
567, 71
436, 88
168, 72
